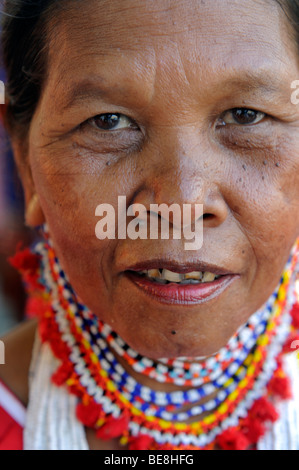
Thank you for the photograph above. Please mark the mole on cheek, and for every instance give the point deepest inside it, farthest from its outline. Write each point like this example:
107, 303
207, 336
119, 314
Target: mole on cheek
173, 332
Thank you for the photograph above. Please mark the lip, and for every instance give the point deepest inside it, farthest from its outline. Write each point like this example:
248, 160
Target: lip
181, 268
175, 294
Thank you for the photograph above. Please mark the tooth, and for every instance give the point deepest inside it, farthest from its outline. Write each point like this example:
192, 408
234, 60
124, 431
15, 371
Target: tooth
170, 276
194, 275
208, 277
160, 281
153, 273
185, 281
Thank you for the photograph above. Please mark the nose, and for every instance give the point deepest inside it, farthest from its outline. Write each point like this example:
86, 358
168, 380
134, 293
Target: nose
185, 173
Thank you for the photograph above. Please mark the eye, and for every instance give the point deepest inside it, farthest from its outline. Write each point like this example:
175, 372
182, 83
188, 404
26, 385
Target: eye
112, 122
242, 116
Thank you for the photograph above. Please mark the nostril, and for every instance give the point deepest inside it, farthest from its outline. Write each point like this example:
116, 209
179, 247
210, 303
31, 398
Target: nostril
208, 216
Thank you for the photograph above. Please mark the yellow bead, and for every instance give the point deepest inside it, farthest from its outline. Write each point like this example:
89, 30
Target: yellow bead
111, 386
250, 371
223, 408
243, 383
228, 383
233, 395
209, 419
248, 360
180, 426
94, 358
135, 411
257, 356
123, 440
100, 422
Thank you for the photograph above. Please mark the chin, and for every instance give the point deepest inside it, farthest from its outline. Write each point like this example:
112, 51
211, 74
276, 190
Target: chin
171, 346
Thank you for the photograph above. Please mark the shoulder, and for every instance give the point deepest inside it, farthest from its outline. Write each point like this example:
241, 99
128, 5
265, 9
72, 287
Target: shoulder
18, 346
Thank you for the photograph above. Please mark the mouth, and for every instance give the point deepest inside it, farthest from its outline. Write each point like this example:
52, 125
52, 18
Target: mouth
180, 284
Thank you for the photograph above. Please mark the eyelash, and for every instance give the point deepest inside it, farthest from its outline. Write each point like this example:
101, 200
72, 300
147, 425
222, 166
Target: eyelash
232, 114
120, 117
258, 116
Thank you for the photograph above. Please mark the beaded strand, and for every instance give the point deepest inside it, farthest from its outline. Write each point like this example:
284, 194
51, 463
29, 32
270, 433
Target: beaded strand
239, 374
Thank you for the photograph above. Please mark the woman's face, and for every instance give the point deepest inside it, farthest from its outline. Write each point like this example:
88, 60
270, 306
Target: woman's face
181, 75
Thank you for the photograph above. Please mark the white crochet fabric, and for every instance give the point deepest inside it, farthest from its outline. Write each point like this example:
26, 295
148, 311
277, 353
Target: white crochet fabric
51, 422
284, 433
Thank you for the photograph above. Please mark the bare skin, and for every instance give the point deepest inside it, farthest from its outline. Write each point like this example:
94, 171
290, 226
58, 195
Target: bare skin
176, 81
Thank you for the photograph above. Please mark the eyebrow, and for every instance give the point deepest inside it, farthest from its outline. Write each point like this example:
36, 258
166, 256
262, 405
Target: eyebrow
248, 81
265, 81
89, 89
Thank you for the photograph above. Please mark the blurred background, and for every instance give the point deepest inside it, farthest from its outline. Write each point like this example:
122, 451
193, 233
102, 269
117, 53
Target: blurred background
12, 231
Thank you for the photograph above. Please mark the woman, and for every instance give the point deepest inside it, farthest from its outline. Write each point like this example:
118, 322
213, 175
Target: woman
153, 346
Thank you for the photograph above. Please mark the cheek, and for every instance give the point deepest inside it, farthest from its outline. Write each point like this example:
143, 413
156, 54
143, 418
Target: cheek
70, 186
265, 197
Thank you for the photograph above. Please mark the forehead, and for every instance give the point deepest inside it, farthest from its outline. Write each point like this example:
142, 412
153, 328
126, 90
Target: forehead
146, 39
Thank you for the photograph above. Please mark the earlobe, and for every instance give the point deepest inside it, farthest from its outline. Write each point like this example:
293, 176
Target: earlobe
34, 215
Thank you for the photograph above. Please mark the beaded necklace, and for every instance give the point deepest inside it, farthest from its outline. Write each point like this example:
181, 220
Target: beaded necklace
245, 377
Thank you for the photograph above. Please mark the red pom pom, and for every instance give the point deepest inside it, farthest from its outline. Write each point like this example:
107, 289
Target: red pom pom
142, 442
89, 414
280, 386
44, 326
263, 410
25, 261
253, 429
62, 374
114, 427
295, 316
36, 307
60, 349
292, 343
233, 439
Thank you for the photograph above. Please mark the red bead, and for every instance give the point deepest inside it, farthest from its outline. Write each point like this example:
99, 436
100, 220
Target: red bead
253, 429
295, 316
233, 439
280, 386
142, 442
263, 410
62, 374
25, 260
113, 427
89, 414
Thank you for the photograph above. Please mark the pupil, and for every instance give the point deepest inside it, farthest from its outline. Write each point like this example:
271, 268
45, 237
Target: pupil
244, 116
107, 121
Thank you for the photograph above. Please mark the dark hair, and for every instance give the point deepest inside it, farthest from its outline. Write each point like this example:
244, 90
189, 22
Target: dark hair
24, 55
24, 49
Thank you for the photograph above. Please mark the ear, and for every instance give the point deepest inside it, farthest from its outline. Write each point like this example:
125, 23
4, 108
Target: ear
34, 215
